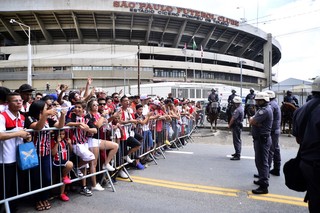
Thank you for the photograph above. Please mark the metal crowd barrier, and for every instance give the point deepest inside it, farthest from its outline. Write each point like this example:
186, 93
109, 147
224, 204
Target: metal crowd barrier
178, 134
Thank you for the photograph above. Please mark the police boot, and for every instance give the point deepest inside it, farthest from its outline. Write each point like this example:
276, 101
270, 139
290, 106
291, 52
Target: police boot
260, 190
275, 172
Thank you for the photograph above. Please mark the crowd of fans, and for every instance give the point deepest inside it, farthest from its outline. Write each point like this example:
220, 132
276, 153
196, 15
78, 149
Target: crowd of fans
85, 131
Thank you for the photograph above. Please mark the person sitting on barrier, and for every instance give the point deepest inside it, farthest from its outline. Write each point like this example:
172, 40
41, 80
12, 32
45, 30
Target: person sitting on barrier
79, 137
11, 119
127, 134
289, 98
95, 143
60, 147
213, 97
39, 118
249, 101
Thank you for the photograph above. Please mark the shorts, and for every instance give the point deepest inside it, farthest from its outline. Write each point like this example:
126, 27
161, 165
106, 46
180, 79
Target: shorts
82, 151
93, 142
132, 142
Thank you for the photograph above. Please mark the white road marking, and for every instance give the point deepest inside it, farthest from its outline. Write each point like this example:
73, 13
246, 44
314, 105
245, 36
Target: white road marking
181, 152
243, 157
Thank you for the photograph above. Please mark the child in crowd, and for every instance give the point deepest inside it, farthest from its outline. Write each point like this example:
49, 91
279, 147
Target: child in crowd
59, 149
79, 137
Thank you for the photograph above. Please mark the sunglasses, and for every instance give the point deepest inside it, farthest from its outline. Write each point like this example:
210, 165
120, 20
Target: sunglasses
102, 104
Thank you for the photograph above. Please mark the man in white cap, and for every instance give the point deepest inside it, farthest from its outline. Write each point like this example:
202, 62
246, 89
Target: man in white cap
261, 132
236, 125
274, 154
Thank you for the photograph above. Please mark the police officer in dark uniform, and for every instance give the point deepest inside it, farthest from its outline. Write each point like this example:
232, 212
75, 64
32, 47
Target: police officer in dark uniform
236, 125
261, 132
213, 97
230, 105
306, 123
291, 98
274, 154
249, 100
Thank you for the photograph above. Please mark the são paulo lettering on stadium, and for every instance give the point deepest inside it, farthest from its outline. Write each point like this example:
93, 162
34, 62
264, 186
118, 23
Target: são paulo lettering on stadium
150, 8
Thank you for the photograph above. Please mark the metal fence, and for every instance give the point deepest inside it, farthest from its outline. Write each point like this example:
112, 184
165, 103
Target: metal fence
172, 134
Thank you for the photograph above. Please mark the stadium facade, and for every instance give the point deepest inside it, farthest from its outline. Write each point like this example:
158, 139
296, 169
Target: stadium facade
114, 42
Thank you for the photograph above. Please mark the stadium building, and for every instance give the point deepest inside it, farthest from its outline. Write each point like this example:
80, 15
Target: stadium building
118, 42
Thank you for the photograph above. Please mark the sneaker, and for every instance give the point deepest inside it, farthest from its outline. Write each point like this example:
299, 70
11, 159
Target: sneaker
128, 159
122, 174
98, 187
66, 179
140, 166
167, 142
85, 191
108, 167
79, 173
64, 197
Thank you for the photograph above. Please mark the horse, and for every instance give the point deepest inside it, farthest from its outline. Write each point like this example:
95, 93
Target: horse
287, 110
250, 111
213, 115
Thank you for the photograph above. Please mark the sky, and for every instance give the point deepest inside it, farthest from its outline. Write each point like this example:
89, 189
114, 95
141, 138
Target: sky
293, 23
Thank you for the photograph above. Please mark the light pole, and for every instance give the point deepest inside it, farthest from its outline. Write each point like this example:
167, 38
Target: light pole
244, 14
29, 74
241, 63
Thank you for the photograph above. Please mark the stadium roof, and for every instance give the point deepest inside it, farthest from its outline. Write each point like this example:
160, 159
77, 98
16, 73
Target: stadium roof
88, 25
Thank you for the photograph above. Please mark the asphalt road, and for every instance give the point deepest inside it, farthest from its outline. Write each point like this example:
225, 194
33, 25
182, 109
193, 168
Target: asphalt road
197, 178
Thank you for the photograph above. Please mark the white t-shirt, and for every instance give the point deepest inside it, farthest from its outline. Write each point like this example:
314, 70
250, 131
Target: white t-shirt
8, 148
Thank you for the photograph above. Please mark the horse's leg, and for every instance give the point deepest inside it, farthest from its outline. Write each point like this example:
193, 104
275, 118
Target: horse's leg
215, 124
290, 126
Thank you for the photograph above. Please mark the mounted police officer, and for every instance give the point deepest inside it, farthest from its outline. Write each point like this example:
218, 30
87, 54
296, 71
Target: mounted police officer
291, 99
274, 154
230, 105
249, 101
306, 122
236, 125
213, 97
261, 132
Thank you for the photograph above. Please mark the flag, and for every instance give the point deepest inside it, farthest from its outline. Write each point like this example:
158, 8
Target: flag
201, 51
194, 45
184, 50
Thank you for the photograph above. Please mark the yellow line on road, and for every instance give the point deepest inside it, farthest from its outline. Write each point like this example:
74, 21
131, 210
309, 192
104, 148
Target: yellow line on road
218, 190
185, 186
279, 199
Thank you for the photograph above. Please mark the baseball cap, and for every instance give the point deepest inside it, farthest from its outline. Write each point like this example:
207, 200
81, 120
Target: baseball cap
144, 97
156, 102
25, 88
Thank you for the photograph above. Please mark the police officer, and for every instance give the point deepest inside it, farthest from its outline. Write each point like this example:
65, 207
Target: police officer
291, 98
249, 100
261, 132
230, 98
230, 104
213, 97
236, 125
274, 154
306, 122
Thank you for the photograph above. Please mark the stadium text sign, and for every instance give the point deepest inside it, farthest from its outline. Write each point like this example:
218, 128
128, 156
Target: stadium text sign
138, 7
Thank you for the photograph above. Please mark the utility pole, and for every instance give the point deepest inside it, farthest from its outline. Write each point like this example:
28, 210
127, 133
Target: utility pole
138, 69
